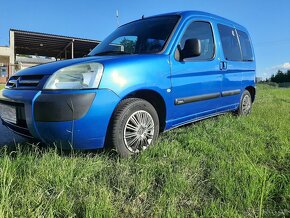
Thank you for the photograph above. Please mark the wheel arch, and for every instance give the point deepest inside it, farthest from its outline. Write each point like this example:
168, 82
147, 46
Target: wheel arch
252, 91
154, 98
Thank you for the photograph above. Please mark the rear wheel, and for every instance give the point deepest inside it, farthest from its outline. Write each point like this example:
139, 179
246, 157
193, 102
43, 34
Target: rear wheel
245, 106
135, 126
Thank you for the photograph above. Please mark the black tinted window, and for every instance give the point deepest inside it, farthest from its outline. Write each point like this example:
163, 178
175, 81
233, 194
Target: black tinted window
245, 46
145, 36
203, 32
230, 43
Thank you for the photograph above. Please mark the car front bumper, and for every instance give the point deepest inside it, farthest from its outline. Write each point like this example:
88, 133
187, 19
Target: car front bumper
70, 119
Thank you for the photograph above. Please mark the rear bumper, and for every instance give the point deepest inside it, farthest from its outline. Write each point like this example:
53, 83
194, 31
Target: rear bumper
77, 119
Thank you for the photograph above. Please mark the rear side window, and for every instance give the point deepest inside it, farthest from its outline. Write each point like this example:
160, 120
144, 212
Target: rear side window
202, 31
246, 47
230, 43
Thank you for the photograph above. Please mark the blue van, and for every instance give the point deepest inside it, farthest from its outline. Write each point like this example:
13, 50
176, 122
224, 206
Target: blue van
148, 76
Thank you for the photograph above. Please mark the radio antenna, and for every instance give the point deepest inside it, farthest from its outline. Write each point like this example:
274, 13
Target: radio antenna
117, 17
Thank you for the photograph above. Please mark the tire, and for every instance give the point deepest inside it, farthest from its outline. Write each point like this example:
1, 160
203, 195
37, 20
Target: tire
246, 103
135, 126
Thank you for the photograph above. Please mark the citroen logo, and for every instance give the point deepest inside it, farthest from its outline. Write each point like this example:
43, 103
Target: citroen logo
17, 82
14, 83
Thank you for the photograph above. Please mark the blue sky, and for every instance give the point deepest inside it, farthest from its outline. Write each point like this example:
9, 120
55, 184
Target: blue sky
267, 21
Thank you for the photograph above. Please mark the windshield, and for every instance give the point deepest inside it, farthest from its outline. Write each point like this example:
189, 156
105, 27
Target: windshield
146, 36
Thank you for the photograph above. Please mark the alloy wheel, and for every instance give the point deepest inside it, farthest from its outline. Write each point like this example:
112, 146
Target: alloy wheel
139, 131
246, 104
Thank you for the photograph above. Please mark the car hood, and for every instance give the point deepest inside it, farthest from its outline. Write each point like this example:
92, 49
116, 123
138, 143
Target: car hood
50, 68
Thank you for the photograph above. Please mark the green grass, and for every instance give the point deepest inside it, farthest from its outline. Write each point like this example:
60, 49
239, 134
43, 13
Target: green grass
221, 167
2, 86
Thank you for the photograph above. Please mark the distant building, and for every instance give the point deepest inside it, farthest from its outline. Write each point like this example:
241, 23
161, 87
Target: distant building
28, 49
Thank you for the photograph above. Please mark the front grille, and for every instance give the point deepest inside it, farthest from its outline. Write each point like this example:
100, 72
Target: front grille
25, 82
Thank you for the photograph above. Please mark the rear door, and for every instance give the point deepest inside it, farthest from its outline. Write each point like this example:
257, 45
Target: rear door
196, 82
234, 64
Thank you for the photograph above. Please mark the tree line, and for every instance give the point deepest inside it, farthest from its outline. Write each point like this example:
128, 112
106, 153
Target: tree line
281, 77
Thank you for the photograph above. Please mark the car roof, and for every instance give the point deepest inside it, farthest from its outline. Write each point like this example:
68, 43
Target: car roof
187, 14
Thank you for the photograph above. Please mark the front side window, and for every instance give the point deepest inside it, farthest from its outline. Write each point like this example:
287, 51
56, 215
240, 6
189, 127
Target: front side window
230, 43
200, 30
246, 47
124, 43
146, 36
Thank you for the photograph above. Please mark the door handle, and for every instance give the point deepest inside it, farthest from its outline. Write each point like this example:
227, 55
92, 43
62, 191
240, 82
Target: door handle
223, 65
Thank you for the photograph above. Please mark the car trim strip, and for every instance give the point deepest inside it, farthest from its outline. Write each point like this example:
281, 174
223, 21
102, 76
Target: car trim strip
180, 101
186, 100
231, 92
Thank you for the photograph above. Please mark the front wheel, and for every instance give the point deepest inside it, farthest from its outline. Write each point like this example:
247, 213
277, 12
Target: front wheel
245, 106
135, 126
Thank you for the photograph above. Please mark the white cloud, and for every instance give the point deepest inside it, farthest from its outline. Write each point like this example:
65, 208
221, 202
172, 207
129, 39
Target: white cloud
286, 65
268, 72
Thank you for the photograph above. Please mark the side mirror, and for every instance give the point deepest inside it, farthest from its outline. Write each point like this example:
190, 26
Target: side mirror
192, 48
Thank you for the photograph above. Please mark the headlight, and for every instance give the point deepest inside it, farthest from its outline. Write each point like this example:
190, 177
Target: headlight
81, 76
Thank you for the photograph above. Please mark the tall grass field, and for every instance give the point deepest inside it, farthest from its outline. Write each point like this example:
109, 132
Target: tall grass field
226, 166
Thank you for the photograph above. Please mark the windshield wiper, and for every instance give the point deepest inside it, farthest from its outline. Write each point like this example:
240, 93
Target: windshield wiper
111, 53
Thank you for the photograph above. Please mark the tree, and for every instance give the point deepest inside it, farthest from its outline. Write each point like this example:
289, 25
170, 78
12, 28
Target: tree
129, 45
288, 76
281, 77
